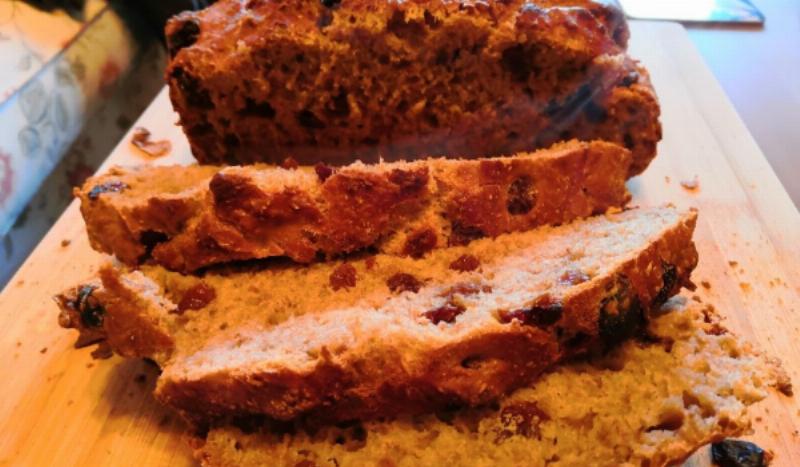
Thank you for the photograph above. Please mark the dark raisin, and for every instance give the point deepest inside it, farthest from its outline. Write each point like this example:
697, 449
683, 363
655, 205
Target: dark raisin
338, 106
518, 61
669, 277
574, 277
402, 282
463, 234
621, 313
545, 311
409, 181
521, 196
307, 119
289, 164
231, 141
325, 19
195, 95
330, 3
523, 419
107, 187
323, 171
91, 312
198, 296
447, 313
257, 109
432, 21
184, 36
465, 263
466, 288
737, 453
595, 113
420, 242
628, 141
344, 276
630, 79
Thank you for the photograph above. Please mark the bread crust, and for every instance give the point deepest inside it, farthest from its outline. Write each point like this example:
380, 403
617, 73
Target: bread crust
187, 218
401, 80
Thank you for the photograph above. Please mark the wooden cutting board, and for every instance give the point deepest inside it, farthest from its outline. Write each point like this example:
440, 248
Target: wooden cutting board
61, 407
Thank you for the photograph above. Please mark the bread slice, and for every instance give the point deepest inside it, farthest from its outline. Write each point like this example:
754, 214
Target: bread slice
187, 218
401, 80
370, 337
651, 402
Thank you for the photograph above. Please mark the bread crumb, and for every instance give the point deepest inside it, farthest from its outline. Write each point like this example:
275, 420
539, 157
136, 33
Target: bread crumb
706, 285
745, 286
667, 179
691, 185
141, 139
733, 264
70, 402
89, 365
65, 243
21, 282
19, 343
43, 351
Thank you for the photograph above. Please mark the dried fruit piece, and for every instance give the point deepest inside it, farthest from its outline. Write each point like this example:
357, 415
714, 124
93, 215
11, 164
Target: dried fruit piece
523, 419
402, 282
420, 242
141, 139
343, 277
447, 313
465, 263
545, 311
197, 297
323, 171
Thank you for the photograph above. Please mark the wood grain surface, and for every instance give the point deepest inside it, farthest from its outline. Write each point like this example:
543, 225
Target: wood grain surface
61, 407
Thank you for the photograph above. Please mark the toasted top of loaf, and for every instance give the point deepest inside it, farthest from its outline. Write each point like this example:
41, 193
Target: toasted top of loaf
186, 218
651, 402
463, 323
337, 81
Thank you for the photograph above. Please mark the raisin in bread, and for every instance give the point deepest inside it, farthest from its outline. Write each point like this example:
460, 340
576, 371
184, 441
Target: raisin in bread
650, 402
371, 337
337, 81
186, 218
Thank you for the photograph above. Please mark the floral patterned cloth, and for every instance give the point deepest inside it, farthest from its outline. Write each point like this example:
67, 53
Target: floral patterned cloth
69, 89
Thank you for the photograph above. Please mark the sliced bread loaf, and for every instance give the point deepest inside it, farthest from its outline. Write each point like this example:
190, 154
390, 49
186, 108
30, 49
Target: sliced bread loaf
387, 334
190, 217
333, 80
651, 402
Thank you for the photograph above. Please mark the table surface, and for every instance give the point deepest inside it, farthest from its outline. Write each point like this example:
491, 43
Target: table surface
759, 69
61, 407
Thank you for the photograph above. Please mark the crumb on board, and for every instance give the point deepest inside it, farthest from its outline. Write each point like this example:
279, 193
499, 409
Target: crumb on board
667, 179
706, 285
141, 139
697, 298
43, 351
19, 343
89, 365
745, 286
691, 185
20, 282
65, 243
733, 264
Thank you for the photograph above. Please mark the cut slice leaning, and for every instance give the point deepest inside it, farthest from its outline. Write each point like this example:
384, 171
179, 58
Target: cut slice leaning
384, 334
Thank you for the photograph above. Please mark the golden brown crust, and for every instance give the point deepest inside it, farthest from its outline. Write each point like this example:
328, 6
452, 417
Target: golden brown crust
399, 79
361, 365
209, 215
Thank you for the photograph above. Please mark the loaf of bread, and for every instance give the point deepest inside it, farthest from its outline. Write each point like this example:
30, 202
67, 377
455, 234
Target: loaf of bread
651, 402
382, 335
186, 218
334, 81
